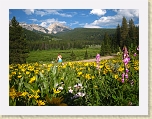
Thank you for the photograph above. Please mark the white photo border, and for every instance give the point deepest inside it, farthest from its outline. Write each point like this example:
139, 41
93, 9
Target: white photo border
142, 109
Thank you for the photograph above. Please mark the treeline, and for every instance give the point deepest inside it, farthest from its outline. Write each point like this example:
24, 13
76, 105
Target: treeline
77, 38
61, 44
126, 35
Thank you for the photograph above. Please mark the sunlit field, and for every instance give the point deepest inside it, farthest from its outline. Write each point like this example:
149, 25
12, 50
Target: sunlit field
75, 83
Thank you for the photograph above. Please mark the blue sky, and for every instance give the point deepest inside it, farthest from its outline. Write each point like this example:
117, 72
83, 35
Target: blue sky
73, 18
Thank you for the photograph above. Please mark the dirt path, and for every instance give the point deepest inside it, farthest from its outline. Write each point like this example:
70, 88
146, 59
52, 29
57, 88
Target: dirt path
93, 60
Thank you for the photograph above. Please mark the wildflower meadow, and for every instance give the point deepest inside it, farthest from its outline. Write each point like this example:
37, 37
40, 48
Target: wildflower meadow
114, 83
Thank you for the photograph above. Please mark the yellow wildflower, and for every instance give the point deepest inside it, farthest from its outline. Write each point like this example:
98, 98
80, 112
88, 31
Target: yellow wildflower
13, 73
36, 96
87, 76
27, 72
136, 68
121, 69
79, 73
23, 70
19, 76
101, 66
12, 93
24, 94
36, 71
40, 102
56, 91
92, 77
31, 96
116, 76
32, 79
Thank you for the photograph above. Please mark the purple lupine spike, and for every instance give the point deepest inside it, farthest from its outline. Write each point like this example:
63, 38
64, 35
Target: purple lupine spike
122, 80
98, 57
127, 70
126, 76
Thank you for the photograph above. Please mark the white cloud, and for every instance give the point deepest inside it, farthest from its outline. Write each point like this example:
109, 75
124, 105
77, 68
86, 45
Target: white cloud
91, 26
48, 22
34, 20
41, 13
29, 11
51, 11
47, 12
76, 22
129, 13
113, 21
98, 12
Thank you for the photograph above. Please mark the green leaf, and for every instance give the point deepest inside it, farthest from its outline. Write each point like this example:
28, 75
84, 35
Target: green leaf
20, 84
28, 86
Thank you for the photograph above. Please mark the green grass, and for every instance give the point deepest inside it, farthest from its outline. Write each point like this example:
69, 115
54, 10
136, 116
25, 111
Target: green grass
51, 55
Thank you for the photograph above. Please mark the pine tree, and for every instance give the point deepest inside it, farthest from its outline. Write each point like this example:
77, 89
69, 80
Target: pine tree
86, 55
132, 32
118, 35
102, 50
18, 51
124, 32
137, 35
107, 44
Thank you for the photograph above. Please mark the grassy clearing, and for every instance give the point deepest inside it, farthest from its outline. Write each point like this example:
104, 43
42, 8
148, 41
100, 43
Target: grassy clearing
51, 55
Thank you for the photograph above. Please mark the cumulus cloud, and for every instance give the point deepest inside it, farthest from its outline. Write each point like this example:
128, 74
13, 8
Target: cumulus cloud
113, 21
98, 12
48, 22
29, 11
129, 13
91, 26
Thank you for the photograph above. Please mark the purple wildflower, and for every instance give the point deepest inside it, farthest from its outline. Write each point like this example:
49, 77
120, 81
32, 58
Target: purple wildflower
98, 57
126, 60
134, 54
126, 76
127, 70
122, 80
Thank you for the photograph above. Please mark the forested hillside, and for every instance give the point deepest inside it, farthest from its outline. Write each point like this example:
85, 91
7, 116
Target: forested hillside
35, 35
85, 34
77, 38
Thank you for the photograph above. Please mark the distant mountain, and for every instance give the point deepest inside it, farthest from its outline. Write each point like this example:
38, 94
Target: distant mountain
52, 29
33, 27
57, 27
